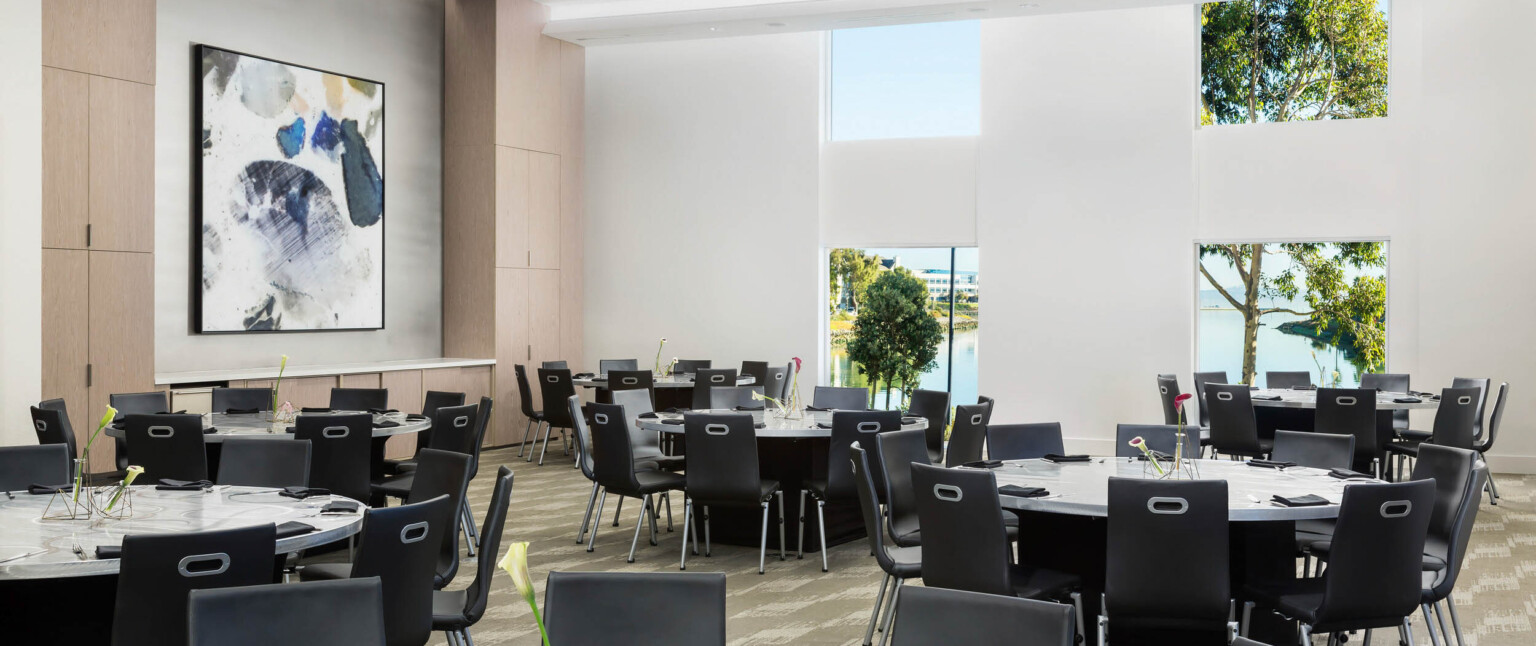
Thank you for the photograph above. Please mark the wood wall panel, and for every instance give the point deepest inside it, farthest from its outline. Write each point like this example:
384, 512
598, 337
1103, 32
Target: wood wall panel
405, 395
512, 206
544, 210
122, 165
473, 381
545, 124
572, 227
469, 247
544, 315
573, 94
66, 333
469, 68
122, 335
125, 40
313, 392
363, 380
69, 34
512, 349
519, 24
66, 156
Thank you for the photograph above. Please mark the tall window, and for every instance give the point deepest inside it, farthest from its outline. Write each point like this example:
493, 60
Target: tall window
1306, 306
903, 319
906, 81
1293, 60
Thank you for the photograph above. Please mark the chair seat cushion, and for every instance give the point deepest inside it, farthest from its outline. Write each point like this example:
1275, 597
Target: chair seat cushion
396, 487
936, 456
402, 466
1434, 550
1411, 435
668, 462
1403, 448
652, 481
1298, 599
909, 561
766, 488
1041, 583
325, 572
448, 610
817, 487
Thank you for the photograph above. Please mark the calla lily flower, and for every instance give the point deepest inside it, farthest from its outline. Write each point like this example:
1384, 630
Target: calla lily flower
107, 418
516, 565
1142, 445
1178, 402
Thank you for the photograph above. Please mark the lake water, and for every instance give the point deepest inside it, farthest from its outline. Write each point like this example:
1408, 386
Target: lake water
1221, 348
964, 389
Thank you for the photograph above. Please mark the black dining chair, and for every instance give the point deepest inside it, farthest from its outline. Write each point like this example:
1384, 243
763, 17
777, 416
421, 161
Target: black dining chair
1314, 450
990, 404
735, 397
1284, 379
758, 371
1234, 428
865, 424
320, 613
399, 545
460, 429
1482, 384
965, 543
968, 436
555, 386
605, 366
24, 466
535, 417
1167, 393
1351, 411
927, 616
148, 403
932, 406
1374, 579
158, 571
167, 446
897, 451
621, 380
341, 447
359, 399
1485, 445
482, 424
646, 445
836, 483
438, 473
690, 366
694, 605
434, 400
615, 468
899, 563
1024, 441
1167, 521
241, 400
584, 462
264, 462
840, 398
776, 381
705, 379
1450, 528
50, 418
1455, 425
1390, 383
1201, 379
1161, 438
454, 612
723, 472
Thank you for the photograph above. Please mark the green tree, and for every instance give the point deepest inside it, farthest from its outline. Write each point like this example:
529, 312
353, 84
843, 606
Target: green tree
851, 271
894, 337
1342, 311
1292, 60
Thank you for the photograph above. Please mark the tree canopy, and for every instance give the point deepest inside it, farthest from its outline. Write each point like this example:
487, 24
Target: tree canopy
894, 337
1292, 60
855, 270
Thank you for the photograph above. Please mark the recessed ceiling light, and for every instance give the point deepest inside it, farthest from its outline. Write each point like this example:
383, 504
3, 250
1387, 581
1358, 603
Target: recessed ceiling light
714, 29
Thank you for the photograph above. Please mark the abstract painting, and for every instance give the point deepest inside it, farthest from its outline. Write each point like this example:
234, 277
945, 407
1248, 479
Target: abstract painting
291, 197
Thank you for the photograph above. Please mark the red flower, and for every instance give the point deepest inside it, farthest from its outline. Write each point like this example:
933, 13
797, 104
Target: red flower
1178, 402
797, 363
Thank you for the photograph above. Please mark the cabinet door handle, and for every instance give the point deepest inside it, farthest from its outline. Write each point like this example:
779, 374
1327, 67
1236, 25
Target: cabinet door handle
88, 375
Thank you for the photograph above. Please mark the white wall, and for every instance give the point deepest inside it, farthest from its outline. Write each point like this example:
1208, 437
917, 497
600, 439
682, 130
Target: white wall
399, 43
702, 200
21, 216
899, 192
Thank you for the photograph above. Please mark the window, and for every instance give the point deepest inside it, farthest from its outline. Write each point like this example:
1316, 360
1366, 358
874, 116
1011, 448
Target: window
1320, 307
1293, 60
901, 298
906, 81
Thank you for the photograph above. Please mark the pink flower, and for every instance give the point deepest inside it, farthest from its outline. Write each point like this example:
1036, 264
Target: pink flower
1178, 402
797, 363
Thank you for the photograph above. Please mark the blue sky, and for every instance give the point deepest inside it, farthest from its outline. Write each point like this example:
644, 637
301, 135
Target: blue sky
906, 81
931, 257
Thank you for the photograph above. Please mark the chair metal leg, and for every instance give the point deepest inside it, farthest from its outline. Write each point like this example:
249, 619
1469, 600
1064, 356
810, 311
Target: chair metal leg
800, 544
781, 524
1429, 625
1306, 635
1077, 603
537, 429
1103, 641
544, 448
527, 430
821, 524
668, 497
762, 548
682, 559
1455, 621
467, 526
591, 540
1366, 641
869, 633
464, 635
1247, 616
645, 505
651, 518
587, 518
1445, 634
707, 550
1406, 632
890, 611
616, 511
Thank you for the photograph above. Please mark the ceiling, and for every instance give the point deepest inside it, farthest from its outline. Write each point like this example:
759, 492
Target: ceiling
606, 22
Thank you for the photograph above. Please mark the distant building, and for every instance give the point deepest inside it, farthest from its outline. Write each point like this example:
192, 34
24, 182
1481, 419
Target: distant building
938, 284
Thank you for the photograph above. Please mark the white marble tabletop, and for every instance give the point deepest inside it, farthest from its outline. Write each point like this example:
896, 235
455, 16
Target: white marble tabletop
813, 424
1082, 488
257, 426
23, 530
1308, 399
668, 381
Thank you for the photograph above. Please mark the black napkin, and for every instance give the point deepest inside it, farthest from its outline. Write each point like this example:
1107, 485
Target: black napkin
291, 429
170, 484
210, 430
823, 425
415, 417
109, 552
382, 411
301, 493
1407, 400
984, 464
340, 507
1345, 474
1023, 492
674, 422
648, 416
387, 424
676, 410
1270, 464
291, 529
1052, 457
241, 411
813, 408
314, 409
760, 426
45, 490
911, 420
749, 408
599, 380
1268, 398
583, 375
1308, 500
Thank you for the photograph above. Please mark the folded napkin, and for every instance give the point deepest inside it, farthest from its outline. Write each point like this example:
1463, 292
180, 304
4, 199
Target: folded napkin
984, 464
45, 490
1270, 464
387, 424
813, 408
314, 409
241, 411
414, 417
1052, 457
171, 484
1308, 500
599, 380
293, 528
648, 416
674, 422
301, 493
675, 409
1268, 398
823, 425
749, 408
340, 507
911, 420
382, 411
291, 429
1407, 400
210, 430
760, 426
584, 375
104, 552
1346, 474
1023, 492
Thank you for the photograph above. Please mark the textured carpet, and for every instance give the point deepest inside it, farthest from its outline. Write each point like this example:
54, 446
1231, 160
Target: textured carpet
795, 603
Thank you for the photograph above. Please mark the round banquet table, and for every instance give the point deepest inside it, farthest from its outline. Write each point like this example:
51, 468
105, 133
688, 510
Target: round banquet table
791, 451
668, 381
1295, 410
60, 597
1287, 398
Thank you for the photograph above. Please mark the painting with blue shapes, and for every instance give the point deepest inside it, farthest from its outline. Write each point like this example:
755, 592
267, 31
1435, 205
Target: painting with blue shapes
292, 197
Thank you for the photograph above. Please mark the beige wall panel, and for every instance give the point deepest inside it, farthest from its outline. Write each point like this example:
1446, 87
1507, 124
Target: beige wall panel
545, 121
544, 316
469, 245
69, 34
363, 380
518, 27
122, 165
544, 210
314, 392
512, 349
473, 381
573, 94
512, 206
125, 47
469, 72
66, 311
572, 226
122, 341
66, 157
405, 395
